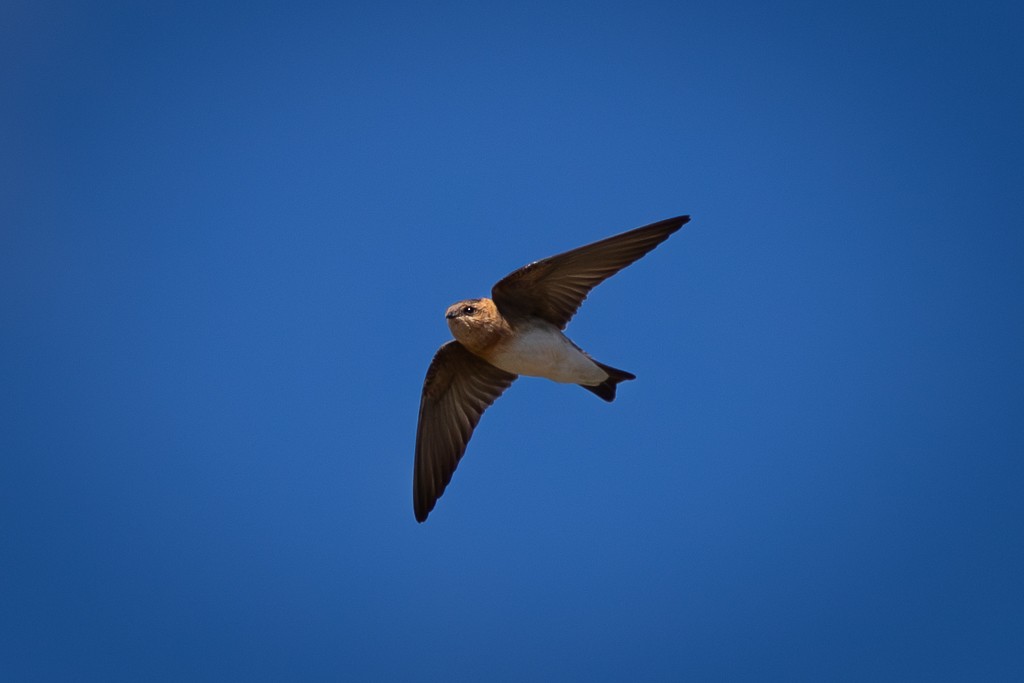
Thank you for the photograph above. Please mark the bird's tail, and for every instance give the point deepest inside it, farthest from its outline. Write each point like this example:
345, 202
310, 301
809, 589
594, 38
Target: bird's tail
606, 389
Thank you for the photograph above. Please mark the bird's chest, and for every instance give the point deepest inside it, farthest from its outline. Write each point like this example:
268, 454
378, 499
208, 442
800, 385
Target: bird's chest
545, 352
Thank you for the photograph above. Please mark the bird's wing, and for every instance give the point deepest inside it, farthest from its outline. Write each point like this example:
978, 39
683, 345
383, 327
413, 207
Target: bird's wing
457, 390
553, 288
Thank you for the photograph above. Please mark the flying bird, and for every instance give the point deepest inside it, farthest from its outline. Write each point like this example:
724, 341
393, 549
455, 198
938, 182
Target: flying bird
518, 331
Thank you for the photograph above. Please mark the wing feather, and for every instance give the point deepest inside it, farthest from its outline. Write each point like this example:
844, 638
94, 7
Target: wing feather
555, 287
458, 388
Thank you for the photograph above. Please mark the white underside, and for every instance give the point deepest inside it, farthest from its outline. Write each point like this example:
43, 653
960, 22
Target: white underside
543, 351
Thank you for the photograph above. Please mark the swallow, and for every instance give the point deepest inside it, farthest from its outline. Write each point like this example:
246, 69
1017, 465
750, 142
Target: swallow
518, 331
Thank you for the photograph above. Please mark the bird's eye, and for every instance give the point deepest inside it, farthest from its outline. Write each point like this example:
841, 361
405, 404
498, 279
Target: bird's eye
468, 310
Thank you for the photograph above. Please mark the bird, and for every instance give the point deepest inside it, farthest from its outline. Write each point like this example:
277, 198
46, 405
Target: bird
518, 331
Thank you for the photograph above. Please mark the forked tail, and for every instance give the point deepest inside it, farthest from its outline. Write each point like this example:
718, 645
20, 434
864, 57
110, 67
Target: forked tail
606, 389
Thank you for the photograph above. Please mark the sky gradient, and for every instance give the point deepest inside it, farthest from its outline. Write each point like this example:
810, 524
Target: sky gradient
228, 235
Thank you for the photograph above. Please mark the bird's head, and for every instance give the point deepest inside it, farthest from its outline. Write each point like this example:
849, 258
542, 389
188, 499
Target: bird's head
476, 323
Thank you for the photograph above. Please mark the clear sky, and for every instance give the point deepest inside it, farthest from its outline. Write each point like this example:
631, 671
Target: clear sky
228, 235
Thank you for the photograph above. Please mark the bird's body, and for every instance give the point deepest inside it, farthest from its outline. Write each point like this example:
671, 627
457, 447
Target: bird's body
541, 350
518, 331
528, 346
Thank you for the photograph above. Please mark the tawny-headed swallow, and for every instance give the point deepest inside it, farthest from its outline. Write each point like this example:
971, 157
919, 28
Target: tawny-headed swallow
518, 331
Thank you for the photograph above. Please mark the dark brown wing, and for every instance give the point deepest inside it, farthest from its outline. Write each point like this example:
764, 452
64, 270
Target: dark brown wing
553, 288
457, 390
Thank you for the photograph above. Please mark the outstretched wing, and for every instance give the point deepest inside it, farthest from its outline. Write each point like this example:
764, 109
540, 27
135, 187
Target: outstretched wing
457, 390
553, 288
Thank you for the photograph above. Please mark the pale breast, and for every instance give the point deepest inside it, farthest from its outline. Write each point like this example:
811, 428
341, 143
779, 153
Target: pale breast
543, 351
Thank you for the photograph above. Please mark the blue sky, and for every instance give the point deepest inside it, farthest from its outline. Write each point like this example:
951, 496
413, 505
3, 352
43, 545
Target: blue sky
229, 234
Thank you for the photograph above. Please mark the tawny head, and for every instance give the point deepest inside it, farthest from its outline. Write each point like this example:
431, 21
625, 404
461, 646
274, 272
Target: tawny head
476, 323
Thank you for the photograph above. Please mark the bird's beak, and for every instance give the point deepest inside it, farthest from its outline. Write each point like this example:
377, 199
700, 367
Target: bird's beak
451, 314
